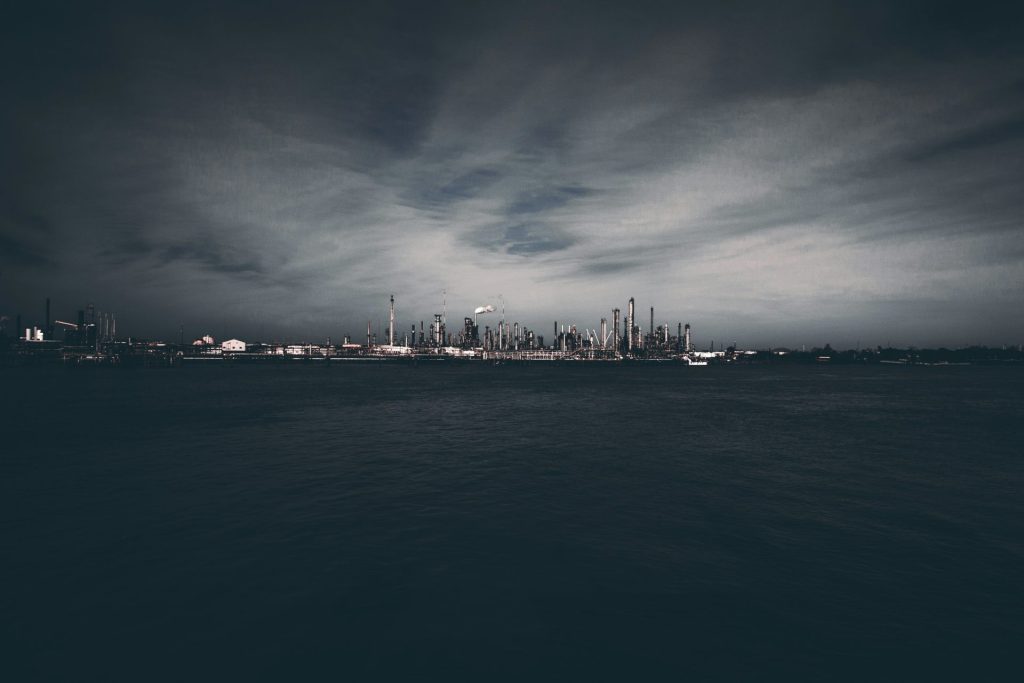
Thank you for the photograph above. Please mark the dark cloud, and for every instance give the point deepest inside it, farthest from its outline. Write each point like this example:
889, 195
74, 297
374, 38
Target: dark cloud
297, 162
1000, 133
546, 199
207, 255
464, 186
611, 267
523, 239
19, 253
25, 237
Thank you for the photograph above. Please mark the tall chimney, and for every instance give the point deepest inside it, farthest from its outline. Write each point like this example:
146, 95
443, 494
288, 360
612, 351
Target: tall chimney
615, 330
629, 325
391, 323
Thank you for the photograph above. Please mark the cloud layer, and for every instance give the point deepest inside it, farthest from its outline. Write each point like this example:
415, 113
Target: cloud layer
799, 175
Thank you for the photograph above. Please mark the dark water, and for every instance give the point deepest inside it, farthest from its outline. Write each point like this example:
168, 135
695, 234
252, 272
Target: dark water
544, 522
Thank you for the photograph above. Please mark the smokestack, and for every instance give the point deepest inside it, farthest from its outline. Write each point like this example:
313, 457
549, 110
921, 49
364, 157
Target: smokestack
615, 330
604, 332
391, 323
630, 323
652, 324
49, 330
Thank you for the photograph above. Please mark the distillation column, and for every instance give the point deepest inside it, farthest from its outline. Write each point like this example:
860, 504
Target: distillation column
615, 330
629, 325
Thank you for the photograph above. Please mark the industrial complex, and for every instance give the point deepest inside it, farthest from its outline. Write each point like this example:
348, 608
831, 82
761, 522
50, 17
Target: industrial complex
93, 338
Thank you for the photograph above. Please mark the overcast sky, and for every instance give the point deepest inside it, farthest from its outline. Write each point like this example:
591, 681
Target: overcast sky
772, 173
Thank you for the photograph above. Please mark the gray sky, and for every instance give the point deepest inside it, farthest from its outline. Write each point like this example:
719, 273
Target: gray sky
774, 175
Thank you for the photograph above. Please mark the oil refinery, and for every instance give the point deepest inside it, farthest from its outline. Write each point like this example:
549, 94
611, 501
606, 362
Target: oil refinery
93, 338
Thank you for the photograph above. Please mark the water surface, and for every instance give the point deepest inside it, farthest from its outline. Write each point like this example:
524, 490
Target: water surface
478, 522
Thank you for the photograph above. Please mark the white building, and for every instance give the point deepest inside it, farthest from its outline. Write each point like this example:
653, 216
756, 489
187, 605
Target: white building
232, 345
392, 350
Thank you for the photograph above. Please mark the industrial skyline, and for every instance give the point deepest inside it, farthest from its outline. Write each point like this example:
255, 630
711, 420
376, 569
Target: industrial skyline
93, 328
94, 338
785, 174
494, 332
